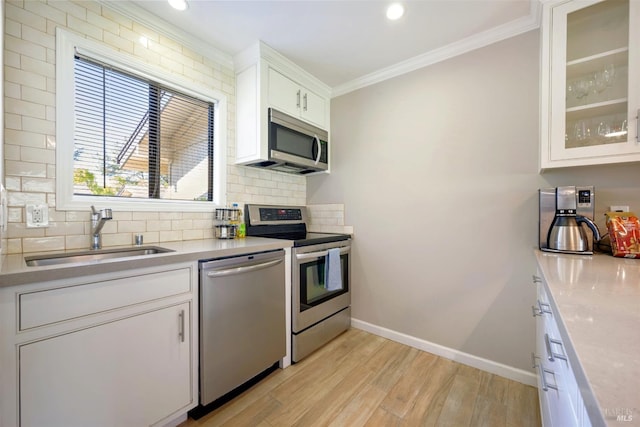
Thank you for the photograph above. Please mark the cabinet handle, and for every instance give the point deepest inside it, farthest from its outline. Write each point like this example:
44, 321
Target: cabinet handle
181, 326
542, 308
638, 127
541, 371
298, 99
537, 279
550, 353
304, 103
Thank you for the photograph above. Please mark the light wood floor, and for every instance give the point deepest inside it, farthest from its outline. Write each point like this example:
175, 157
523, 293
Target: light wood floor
360, 379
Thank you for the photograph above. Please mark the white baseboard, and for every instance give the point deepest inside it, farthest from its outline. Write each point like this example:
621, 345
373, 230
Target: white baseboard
496, 368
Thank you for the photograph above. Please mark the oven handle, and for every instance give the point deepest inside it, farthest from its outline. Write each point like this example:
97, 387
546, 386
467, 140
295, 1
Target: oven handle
319, 254
239, 270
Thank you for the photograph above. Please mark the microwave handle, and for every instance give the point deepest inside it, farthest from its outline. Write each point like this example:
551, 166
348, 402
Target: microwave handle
317, 140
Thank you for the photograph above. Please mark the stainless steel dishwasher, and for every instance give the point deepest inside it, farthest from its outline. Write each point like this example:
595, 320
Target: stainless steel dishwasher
242, 320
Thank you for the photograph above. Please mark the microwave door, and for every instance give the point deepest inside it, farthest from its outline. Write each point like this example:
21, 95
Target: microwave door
290, 146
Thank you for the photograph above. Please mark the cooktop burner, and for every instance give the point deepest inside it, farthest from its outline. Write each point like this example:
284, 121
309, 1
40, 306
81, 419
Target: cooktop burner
285, 222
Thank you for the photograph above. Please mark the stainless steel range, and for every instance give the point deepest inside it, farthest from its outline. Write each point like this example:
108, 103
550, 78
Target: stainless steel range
320, 276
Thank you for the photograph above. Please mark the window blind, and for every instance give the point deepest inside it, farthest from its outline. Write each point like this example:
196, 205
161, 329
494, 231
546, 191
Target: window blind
136, 138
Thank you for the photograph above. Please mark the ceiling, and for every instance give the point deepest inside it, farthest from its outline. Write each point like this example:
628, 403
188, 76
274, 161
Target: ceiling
340, 41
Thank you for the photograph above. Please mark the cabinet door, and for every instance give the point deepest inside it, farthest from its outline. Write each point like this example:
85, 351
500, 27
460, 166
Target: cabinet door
591, 78
131, 372
284, 94
313, 109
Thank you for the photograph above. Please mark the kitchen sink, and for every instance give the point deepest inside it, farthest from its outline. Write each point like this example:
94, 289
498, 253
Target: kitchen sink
86, 256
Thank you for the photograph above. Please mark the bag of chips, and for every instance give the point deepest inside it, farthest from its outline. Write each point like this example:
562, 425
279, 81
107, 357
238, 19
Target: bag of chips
624, 232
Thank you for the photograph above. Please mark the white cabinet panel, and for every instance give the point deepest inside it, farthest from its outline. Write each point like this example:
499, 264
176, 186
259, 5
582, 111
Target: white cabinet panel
54, 305
590, 82
132, 372
265, 79
560, 400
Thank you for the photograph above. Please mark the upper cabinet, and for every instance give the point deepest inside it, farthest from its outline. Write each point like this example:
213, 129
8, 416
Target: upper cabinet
296, 100
266, 79
590, 83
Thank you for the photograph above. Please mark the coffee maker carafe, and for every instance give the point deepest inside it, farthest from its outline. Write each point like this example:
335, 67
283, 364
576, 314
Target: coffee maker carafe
563, 211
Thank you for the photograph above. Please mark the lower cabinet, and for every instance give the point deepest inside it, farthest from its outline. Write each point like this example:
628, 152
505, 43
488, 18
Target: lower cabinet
115, 349
560, 399
125, 372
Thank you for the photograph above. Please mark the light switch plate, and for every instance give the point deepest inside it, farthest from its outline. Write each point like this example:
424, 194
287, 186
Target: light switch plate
37, 216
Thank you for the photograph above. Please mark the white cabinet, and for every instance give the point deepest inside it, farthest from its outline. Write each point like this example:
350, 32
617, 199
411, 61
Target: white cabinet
590, 82
290, 97
105, 350
265, 79
126, 372
560, 399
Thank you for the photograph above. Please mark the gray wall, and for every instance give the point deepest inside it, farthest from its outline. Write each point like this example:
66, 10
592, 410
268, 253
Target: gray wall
438, 171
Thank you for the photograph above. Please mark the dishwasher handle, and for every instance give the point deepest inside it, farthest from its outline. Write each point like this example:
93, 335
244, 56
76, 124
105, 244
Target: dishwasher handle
246, 269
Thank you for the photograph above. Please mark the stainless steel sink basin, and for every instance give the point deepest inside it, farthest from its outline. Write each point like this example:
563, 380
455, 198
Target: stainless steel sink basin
85, 256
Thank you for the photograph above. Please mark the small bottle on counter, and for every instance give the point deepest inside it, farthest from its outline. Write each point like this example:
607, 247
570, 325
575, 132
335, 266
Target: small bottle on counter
239, 224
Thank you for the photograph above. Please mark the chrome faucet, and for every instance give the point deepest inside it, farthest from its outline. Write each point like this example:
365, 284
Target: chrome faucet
97, 222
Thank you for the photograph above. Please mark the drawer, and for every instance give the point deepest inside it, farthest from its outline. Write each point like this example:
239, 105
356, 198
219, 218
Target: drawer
45, 307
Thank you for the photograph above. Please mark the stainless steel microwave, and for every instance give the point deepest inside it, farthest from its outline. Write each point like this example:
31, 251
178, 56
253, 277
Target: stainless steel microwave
295, 146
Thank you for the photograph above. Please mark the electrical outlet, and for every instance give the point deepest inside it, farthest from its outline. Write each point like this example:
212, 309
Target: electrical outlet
37, 216
619, 208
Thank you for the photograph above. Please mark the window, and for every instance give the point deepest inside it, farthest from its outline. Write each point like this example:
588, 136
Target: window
135, 134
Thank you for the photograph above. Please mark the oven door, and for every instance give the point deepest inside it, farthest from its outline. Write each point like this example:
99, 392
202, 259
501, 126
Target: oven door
312, 301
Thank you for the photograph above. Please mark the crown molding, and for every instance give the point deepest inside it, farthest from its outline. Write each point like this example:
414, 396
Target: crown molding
141, 16
477, 41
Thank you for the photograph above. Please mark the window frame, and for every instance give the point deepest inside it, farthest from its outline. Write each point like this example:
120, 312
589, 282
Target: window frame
67, 44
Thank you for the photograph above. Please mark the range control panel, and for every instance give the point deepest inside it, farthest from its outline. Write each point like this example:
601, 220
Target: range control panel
275, 214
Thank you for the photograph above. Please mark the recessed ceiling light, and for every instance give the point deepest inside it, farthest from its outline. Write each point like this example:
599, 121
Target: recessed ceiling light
178, 4
395, 11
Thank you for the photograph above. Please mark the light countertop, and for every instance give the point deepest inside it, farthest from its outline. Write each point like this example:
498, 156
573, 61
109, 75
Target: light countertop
14, 271
598, 301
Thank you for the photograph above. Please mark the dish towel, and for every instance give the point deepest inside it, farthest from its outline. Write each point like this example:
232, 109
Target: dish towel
332, 273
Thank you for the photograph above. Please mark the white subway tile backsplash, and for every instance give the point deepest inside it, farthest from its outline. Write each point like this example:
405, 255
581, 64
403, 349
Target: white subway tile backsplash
70, 9
42, 9
24, 108
25, 169
42, 185
24, 48
96, 19
80, 25
170, 236
30, 154
64, 228
25, 138
77, 242
42, 244
16, 230
11, 152
158, 225
25, 16
39, 125
131, 226
14, 246
118, 42
13, 183
39, 37
30, 86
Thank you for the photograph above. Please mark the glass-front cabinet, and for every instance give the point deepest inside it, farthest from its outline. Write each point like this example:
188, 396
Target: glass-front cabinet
590, 82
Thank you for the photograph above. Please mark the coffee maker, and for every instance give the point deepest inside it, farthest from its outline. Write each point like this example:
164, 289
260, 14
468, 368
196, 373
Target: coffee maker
564, 213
